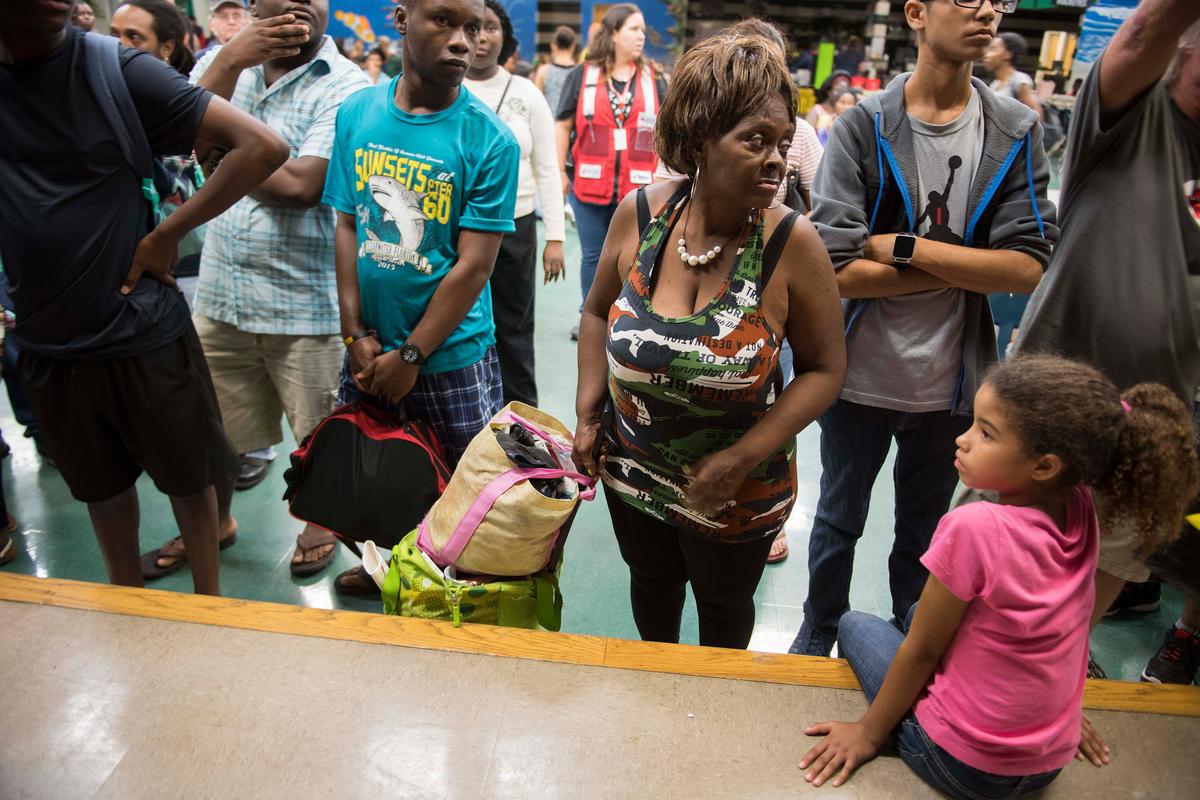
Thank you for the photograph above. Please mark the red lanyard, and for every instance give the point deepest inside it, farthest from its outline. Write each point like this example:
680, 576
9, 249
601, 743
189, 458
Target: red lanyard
621, 102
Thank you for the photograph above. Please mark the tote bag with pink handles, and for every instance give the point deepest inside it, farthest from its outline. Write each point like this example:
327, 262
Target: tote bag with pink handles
492, 519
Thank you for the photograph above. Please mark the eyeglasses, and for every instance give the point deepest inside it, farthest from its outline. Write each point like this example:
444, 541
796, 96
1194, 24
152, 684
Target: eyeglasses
999, 6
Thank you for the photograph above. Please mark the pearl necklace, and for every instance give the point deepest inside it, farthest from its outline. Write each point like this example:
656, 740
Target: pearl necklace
712, 255
694, 261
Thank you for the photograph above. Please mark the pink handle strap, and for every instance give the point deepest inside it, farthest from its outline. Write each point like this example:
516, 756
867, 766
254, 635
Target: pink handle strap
484, 502
551, 439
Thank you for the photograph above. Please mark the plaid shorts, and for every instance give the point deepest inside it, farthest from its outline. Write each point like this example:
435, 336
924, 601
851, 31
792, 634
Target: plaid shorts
456, 404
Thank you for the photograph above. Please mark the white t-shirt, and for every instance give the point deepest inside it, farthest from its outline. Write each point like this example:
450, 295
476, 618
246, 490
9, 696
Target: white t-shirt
905, 352
1012, 86
526, 112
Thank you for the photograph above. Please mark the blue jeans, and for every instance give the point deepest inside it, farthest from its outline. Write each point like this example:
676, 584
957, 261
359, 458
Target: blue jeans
21, 408
854, 443
1007, 310
870, 644
592, 221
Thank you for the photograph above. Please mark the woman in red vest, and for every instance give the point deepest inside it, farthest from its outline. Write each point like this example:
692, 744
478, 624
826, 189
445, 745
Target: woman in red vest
606, 124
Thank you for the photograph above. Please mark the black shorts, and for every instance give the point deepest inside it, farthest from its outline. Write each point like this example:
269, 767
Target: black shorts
104, 421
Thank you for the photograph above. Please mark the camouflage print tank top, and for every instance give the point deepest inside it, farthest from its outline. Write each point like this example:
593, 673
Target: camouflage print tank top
685, 387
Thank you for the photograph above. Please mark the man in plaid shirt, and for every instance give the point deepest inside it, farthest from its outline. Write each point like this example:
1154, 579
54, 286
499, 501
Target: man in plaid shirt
266, 305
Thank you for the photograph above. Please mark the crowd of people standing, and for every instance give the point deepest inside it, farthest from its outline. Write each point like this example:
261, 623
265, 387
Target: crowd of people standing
370, 234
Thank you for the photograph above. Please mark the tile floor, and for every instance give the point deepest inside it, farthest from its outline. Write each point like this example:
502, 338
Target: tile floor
56, 536
121, 707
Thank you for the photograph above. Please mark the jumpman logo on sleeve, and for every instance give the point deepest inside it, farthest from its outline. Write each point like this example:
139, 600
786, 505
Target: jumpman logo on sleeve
937, 211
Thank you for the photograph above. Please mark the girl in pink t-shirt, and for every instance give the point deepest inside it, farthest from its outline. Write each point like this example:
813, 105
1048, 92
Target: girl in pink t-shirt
981, 692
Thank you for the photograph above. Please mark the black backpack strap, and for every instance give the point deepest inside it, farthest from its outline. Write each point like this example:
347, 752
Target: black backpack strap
102, 59
643, 211
775, 245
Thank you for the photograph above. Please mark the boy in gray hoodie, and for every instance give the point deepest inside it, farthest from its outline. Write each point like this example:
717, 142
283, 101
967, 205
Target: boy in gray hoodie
931, 194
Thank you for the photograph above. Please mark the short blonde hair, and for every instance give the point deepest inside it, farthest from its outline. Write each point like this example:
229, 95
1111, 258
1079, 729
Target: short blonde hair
717, 84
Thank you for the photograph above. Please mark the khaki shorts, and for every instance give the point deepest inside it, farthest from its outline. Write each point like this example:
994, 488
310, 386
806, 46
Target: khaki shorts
1117, 543
259, 377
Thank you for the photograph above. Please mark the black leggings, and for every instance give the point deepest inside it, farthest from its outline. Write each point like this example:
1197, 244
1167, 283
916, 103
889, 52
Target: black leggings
662, 560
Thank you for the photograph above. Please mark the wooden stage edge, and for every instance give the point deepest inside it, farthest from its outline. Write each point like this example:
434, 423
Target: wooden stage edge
592, 651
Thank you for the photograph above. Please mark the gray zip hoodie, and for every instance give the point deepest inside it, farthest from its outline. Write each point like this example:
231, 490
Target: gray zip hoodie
868, 176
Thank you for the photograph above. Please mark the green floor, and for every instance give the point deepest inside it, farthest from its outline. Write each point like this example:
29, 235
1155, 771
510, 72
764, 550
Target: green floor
57, 540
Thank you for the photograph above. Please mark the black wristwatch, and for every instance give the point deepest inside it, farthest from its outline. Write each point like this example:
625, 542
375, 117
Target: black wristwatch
412, 356
903, 249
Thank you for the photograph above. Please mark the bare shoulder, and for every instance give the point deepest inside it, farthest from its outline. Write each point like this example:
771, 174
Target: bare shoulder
803, 247
658, 194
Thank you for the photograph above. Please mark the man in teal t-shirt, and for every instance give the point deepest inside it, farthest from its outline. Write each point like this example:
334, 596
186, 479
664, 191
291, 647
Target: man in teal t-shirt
424, 178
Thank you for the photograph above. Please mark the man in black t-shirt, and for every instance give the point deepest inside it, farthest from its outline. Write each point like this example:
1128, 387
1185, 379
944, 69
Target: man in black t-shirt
111, 362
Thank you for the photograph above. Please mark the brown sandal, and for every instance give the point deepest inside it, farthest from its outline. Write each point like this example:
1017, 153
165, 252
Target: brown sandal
303, 569
173, 549
356, 583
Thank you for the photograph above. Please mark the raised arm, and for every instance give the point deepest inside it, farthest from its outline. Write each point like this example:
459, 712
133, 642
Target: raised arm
299, 181
259, 42
1141, 50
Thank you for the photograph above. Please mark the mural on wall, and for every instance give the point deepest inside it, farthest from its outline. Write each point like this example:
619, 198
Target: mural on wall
1100, 22
361, 19
358, 25
368, 20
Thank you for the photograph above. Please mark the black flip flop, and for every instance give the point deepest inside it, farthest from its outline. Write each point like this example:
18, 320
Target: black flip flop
356, 583
306, 568
151, 571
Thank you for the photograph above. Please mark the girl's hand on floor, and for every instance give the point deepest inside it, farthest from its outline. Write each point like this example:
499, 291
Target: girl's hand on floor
845, 748
1092, 747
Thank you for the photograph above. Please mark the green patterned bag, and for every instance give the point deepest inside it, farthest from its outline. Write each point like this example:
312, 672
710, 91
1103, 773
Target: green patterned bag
415, 587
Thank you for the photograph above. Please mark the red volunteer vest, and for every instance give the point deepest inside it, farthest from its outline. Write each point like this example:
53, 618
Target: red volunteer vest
611, 161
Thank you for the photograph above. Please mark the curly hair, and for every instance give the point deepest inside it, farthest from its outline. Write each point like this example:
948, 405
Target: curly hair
1142, 463
169, 25
717, 84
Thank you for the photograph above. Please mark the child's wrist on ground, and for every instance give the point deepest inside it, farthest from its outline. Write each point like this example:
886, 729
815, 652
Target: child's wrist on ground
874, 732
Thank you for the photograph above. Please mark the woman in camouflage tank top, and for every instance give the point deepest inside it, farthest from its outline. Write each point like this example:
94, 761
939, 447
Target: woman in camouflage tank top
688, 386
682, 330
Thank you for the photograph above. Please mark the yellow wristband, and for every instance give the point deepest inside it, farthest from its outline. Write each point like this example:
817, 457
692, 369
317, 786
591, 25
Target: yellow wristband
354, 337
